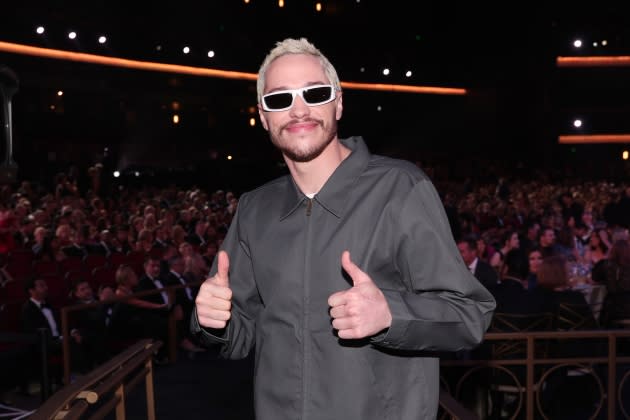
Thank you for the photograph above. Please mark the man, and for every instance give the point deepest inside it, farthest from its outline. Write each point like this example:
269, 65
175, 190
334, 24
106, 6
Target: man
91, 323
480, 269
343, 275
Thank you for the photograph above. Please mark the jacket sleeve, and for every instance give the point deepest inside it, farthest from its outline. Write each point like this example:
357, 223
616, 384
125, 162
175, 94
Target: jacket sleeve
238, 337
442, 306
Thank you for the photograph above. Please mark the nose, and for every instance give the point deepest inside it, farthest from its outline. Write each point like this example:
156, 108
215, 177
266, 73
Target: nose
299, 108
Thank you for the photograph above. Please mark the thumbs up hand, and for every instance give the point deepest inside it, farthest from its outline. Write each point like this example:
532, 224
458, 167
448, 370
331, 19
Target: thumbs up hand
214, 300
362, 310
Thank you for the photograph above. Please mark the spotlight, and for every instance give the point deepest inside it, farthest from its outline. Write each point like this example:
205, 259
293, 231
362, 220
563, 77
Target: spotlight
408, 74
577, 123
577, 43
102, 39
40, 30
386, 72
186, 50
210, 54
72, 35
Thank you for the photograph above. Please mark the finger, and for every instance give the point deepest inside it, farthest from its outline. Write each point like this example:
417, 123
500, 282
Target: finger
211, 323
223, 268
338, 311
221, 304
349, 334
343, 324
357, 275
337, 299
221, 292
213, 314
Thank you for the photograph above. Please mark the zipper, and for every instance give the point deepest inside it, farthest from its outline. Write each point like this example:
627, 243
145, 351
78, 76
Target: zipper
306, 365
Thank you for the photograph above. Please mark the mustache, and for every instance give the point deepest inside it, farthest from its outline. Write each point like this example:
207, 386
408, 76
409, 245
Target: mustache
306, 120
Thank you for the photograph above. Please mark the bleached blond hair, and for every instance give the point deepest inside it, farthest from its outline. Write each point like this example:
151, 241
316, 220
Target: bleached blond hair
295, 46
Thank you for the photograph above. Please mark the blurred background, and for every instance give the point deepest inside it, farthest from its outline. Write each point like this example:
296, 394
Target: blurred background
167, 126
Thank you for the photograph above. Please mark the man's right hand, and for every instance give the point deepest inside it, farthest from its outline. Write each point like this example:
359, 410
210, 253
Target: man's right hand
214, 300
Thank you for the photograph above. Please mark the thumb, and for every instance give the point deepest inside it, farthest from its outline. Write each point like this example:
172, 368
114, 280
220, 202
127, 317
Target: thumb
223, 268
357, 275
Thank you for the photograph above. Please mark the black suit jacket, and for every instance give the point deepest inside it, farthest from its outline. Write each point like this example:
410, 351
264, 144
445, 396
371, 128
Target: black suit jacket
181, 297
33, 318
147, 284
513, 298
486, 274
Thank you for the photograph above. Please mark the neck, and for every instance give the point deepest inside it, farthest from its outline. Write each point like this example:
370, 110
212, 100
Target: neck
311, 176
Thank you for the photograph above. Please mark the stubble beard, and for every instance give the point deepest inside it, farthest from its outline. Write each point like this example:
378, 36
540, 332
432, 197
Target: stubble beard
299, 154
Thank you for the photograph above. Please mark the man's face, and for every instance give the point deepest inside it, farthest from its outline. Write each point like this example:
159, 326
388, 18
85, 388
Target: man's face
301, 132
152, 268
548, 237
84, 291
467, 254
40, 291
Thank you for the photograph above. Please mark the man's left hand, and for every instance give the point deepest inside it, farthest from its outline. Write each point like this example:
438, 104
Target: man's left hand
362, 310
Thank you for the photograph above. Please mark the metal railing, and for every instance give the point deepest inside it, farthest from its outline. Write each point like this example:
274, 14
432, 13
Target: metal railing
602, 367
104, 389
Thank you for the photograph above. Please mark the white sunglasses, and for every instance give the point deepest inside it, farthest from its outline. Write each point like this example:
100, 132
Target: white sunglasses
282, 100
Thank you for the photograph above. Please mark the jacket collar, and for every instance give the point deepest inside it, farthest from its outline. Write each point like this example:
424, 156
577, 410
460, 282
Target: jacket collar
335, 191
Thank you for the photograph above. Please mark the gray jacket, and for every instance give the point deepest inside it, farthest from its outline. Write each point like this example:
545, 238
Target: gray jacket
285, 261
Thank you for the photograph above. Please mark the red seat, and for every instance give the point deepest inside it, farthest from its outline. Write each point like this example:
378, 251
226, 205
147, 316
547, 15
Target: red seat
58, 290
70, 263
104, 276
91, 261
23, 256
19, 270
45, 268
115, 259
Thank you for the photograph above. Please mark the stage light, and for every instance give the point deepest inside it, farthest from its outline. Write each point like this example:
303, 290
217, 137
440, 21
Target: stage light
604, 42
229, 157
577, 123
379, 108
40, 30
386, 72
72, 35
186, 50
252, 122
102, 39
175, 119
280, 3
60, 93
210, 54
408, 74
116, 174
624, 155
318, 7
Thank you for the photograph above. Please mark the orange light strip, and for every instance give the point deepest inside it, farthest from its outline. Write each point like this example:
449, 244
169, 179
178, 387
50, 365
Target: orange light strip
594, 61
199, 71
404, 88
593, 138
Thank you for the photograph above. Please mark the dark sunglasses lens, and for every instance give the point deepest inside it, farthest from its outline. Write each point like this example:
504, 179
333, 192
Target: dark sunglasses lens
317, 95
278, 100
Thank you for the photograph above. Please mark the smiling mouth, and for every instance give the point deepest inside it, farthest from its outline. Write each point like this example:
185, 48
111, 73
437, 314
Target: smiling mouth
301, 126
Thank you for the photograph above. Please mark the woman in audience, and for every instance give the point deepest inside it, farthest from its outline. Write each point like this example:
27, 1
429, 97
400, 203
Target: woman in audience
534, 258
509, 241
134, 317
554, 289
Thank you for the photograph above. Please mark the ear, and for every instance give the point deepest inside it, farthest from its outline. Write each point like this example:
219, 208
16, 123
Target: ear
263, 119
339, 109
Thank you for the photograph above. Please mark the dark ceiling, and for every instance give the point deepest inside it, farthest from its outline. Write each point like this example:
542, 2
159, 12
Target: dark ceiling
518, 101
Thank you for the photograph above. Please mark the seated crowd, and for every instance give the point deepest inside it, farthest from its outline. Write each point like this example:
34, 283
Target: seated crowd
536, 246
